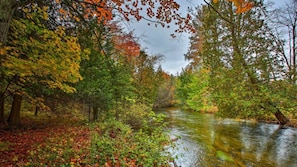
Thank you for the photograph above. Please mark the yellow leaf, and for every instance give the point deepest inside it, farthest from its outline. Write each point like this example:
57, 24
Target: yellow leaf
3, 50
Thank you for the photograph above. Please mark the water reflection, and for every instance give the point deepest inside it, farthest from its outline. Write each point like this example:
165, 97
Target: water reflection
207, 141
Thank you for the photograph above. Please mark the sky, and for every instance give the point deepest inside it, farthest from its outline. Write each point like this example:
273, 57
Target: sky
157, 41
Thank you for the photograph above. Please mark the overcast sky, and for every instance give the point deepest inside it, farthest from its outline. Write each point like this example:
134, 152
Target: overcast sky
158, 40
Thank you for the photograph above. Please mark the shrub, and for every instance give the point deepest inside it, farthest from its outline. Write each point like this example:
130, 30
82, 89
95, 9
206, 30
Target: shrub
119, 145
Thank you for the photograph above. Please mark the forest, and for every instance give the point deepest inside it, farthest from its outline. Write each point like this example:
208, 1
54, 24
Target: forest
76, 88
242, 65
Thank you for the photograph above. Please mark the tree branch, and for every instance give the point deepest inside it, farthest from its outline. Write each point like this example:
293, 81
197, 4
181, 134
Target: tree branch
213, 8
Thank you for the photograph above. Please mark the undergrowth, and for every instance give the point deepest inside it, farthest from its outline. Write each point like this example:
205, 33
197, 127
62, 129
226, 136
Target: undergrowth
105, 143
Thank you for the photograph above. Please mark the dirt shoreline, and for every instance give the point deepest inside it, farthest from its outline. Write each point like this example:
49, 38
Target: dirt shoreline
292, 123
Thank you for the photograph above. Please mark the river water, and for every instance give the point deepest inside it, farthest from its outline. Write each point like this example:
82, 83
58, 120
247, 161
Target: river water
206, 141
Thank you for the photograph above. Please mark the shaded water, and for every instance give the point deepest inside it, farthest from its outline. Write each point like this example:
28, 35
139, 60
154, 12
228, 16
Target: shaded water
205, 141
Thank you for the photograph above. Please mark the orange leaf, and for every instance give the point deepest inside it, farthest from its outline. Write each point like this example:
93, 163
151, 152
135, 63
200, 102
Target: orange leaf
246, 7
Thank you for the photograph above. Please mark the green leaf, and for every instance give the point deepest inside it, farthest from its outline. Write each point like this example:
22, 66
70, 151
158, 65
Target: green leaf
224, 156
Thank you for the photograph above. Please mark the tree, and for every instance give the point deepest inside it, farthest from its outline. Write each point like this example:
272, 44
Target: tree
7, 8
145, 78
160, 12
166, 89
193, 89
182, 84
106, 83
71, 14
68, 15
241, 55
199, 94
36, 55
241, 5
286, 18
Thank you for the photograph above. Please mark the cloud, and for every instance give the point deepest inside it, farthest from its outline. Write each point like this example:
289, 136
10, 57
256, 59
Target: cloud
157, 40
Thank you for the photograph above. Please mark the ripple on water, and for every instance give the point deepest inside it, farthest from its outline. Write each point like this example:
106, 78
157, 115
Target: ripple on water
203, 140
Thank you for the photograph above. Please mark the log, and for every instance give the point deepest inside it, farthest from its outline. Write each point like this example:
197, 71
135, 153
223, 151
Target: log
281, 118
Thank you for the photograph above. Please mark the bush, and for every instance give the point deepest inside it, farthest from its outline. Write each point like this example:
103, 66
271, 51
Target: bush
119, 145
135, 115
108, 143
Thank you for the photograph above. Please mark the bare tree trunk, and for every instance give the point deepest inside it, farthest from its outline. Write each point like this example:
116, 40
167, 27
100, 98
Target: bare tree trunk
14, 116
294, 51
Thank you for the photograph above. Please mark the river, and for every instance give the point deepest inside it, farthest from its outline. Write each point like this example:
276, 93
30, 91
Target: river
207, 141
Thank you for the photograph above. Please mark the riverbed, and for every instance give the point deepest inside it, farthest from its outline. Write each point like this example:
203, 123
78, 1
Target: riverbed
207, 141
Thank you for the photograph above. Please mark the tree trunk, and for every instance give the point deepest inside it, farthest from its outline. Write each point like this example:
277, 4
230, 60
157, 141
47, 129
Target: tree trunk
89, 111
281, 118
7, 8
36, 111
3, 122
95, 112
294, 50
14, 116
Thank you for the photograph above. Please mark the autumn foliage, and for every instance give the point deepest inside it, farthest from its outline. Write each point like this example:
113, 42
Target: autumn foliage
63, 56
241, 5
158, 13
126, 44
72, 142
56, 138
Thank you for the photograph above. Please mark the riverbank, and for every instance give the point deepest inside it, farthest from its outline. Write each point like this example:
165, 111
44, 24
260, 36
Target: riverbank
292, 123
66, 141
268, 119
